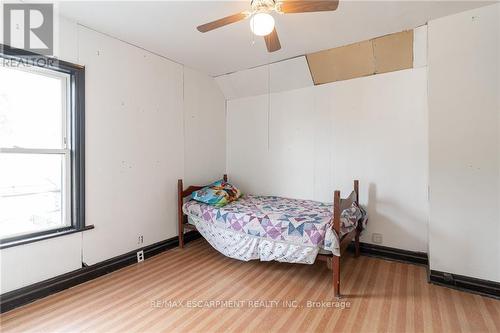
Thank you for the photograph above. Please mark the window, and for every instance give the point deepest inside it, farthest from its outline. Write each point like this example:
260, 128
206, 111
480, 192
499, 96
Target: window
41, 149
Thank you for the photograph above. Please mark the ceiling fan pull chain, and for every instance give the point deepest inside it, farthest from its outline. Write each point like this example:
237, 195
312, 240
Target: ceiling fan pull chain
251, 33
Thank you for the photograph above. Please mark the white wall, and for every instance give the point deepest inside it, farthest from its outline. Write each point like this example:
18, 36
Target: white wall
321, 138
34, 262
134, 145
204, 128
464, 134
144, 117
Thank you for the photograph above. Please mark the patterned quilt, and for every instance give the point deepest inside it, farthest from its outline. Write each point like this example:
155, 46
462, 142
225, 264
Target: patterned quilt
301, 222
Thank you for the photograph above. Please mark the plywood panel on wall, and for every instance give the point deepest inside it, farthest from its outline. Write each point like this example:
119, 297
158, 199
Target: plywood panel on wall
380, 55
342, 63
393, 52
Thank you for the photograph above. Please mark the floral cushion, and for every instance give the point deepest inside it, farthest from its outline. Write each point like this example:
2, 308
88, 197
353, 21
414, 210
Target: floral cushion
217, 194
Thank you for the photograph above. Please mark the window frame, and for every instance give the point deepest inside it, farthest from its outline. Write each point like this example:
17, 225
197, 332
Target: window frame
74, 127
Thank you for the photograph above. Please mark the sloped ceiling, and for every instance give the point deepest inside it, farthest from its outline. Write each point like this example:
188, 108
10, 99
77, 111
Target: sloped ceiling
280, 76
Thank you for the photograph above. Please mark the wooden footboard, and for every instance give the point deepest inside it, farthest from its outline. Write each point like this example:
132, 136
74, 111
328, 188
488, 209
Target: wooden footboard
338, 205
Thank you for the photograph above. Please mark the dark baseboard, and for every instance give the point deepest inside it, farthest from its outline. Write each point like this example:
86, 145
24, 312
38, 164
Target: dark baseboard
465, 283
460, 282
391, 253
18, 297
25, 295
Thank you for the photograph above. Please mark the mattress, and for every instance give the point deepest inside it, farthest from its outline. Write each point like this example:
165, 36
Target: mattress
271, 227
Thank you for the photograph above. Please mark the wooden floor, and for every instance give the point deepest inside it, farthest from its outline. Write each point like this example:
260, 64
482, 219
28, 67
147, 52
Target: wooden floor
159, 295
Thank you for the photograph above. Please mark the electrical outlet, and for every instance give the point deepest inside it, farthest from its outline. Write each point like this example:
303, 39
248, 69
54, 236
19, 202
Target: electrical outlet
140, 256
140, 240
377, 238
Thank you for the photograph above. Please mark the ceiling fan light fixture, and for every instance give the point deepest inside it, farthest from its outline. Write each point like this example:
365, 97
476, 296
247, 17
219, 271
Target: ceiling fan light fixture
262, 24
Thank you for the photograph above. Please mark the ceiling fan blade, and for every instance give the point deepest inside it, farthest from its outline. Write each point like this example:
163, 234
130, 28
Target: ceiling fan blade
222, 22
292, 6
272, 41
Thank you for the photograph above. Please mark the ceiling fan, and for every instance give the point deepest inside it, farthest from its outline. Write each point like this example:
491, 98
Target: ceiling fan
262, 22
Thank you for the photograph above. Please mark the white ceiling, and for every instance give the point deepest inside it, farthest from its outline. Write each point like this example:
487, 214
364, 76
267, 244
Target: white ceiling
168, 28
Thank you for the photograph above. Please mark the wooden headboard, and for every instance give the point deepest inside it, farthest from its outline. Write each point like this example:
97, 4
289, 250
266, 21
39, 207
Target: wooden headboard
181, 194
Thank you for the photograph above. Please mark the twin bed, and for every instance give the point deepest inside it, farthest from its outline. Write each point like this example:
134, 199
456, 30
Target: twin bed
275, 228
